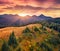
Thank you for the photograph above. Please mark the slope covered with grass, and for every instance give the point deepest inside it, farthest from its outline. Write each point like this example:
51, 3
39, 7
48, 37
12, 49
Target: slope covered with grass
33, 37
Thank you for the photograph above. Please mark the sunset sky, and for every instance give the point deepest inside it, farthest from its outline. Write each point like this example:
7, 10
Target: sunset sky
30, 7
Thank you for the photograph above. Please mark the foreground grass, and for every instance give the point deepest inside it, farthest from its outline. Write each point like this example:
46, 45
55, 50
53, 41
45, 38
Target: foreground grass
34, 37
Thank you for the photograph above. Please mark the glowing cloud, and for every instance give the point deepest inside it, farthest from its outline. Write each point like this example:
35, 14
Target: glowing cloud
31, 7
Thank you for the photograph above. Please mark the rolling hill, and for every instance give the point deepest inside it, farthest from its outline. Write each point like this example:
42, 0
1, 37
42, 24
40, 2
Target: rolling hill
32, 33
35, 35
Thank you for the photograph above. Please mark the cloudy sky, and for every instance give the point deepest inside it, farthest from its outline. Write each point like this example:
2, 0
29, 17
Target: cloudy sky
31, 7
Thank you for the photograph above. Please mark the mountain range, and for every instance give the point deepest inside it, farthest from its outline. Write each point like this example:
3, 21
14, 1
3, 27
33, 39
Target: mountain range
7, 20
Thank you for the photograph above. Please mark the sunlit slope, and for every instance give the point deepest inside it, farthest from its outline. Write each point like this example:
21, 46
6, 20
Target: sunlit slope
5, 32
33, 36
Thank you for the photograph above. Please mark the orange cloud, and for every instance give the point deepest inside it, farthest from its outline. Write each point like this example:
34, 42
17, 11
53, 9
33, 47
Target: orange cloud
48, 7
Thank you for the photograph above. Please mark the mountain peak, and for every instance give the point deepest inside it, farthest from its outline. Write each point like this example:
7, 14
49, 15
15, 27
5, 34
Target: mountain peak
34, 16
41, 15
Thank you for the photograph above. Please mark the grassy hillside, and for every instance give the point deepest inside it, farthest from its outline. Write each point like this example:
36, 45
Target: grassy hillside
33, 37
5, 32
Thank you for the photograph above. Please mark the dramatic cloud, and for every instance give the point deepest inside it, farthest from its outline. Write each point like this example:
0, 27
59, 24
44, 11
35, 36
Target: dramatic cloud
41, 0
31, 7
19, 7
2, 2
57, 1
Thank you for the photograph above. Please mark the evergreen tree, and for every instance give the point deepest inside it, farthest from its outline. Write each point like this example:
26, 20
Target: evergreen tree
27, 30
12, 40
5, 47
36, 29
45, 47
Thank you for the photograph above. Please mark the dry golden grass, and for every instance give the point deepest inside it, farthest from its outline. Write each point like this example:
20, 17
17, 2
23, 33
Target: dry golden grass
5, 32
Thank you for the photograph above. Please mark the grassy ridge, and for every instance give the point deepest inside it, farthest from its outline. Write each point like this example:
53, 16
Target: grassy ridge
34, 37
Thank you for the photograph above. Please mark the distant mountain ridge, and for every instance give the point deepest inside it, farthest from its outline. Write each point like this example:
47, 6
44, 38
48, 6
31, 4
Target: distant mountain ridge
15, 20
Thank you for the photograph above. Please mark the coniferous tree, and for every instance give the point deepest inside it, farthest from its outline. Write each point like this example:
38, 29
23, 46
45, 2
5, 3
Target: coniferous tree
36, 29
27, 30
5, 47
12, 40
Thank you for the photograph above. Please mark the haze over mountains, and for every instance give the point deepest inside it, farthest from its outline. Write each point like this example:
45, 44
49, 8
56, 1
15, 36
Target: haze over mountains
16, 20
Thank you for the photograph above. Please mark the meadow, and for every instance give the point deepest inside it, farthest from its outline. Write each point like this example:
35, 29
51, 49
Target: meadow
33, 37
